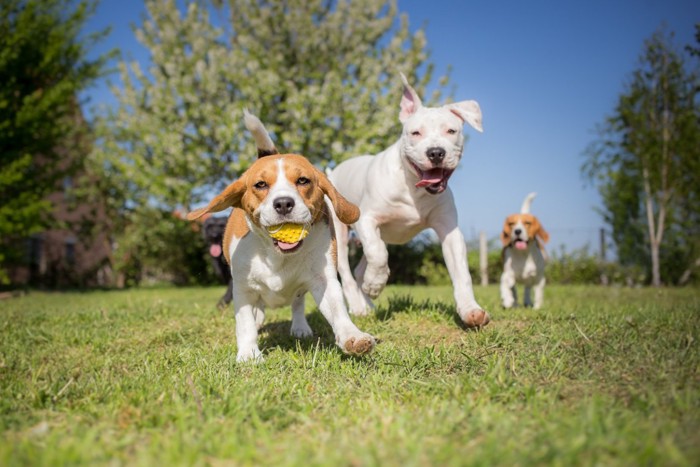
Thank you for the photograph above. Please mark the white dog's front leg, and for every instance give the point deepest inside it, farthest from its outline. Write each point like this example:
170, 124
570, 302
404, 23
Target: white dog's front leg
247, 332
357, 303
454, 249
329, 297
376, 274
300, 327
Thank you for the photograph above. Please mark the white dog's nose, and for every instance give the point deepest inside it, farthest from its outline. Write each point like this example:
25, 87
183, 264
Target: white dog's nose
436, 155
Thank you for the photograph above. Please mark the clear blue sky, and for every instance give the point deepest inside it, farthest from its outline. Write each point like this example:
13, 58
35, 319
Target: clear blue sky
544, 72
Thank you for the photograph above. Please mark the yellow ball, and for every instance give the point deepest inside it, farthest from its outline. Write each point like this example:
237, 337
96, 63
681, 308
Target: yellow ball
288, 233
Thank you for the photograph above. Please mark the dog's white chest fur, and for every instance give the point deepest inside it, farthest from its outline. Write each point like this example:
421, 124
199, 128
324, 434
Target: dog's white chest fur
527, 266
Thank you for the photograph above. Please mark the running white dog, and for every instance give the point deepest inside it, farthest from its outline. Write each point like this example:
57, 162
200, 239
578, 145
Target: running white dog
523, 256
402, 191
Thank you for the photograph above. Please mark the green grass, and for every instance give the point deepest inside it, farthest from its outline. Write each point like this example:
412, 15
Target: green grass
603, 376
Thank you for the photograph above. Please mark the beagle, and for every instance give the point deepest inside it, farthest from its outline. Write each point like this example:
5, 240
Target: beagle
279, 190
523, 256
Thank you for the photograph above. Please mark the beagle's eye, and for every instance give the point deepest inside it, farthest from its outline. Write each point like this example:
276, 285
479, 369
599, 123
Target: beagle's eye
415, 133
527, 223
261, 185
303, 181
451, 131
511, 224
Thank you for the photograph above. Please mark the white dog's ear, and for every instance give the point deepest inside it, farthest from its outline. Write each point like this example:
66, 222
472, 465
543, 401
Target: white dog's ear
469, 111
410, 102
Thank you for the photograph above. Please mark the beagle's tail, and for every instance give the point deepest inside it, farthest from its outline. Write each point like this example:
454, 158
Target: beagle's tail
262, 138
525, 208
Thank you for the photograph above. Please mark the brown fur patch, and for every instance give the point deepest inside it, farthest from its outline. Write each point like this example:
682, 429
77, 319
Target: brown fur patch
235, 227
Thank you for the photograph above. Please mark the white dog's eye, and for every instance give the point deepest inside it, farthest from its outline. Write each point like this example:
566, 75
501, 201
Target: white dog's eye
415, 133
451, 131
303, 181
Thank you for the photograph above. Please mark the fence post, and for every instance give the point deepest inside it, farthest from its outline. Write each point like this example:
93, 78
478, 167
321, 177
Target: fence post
483, 258
604, 280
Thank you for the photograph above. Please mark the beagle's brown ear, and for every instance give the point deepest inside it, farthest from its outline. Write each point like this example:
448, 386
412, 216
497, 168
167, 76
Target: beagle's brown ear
230, 197
347, 212
505, 234
540, 232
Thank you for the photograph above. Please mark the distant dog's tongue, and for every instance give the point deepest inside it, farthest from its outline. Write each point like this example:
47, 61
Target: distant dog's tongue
215, 250
430, 177
286, 246
520, 245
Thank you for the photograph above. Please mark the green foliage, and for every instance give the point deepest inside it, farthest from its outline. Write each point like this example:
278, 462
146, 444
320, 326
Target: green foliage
43, 67
646, 163
599, 376
322, 76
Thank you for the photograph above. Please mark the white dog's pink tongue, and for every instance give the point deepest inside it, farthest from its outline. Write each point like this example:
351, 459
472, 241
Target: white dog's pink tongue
430, 177
286, 246
520, 245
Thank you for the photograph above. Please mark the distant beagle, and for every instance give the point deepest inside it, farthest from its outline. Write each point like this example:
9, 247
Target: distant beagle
280, 243
523, 256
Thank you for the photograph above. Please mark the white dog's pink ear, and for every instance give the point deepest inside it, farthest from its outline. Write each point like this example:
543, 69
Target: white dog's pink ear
410, 102
469, 111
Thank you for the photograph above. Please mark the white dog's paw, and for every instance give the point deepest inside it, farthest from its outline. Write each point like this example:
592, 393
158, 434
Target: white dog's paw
360, 305
375, 280
358, 344
253, 355
301, 330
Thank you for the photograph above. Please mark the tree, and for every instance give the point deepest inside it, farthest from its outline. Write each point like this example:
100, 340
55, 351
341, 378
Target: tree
322, 76
43, 67
646, 161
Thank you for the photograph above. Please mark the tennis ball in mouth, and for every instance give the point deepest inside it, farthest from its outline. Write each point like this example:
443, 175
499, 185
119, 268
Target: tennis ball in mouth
288, 233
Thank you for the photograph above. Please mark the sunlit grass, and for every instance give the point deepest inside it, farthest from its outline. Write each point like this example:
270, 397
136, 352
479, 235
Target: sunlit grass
148, 377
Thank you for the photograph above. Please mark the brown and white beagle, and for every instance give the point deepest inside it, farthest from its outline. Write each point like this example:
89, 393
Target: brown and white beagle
281, 189
523, 256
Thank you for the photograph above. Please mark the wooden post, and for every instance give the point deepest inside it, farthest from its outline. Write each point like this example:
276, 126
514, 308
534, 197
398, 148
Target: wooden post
483, 258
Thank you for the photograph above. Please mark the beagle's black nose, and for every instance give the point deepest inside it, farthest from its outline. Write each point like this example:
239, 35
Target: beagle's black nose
283, 205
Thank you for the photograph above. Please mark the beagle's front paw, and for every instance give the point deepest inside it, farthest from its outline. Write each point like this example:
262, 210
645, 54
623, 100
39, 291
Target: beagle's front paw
476, 319
252, 355
359, 345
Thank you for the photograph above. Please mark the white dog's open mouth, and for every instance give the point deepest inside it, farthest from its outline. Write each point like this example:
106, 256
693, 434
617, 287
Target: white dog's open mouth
287, 247
433, 180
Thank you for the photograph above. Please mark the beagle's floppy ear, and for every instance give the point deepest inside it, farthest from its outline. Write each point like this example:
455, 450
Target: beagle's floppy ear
410, 102
230, 197
347, 212
540, 232
505, 235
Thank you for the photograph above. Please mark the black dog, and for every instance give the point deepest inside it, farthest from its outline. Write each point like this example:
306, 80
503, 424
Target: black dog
213, 230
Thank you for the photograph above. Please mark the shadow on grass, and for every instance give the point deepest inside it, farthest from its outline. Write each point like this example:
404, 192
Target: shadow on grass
276, 334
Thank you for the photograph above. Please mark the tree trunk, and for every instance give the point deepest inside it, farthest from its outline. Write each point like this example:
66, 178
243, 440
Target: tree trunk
654, 239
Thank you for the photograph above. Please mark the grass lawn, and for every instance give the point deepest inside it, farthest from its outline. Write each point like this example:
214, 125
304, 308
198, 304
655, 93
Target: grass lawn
603, 376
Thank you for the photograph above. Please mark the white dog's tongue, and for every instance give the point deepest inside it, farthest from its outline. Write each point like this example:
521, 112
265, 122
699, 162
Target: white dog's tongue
430, 177
286, 246
520, 245
215, 250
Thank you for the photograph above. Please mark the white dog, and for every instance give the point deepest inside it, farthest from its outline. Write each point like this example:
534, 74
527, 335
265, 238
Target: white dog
402, 191
523, 256
279, 191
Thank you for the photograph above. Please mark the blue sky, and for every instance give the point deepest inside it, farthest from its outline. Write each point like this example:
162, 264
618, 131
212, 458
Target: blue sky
545, 74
